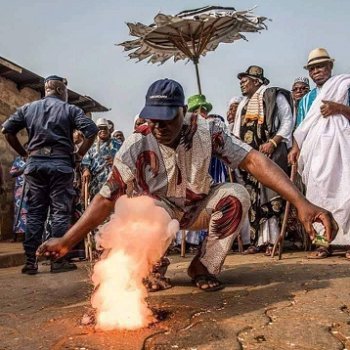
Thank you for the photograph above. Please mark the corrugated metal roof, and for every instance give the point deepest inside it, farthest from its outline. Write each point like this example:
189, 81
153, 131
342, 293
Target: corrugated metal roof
25, 78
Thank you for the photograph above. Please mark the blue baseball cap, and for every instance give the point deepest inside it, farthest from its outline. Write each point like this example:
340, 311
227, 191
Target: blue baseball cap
163, 99
56, 77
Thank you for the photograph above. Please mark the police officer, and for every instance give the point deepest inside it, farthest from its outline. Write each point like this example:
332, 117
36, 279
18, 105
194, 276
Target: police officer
50, 123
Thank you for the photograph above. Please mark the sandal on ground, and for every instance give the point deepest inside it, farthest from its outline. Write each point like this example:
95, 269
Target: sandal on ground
155, 282
268, 251
250, 250
203, 280
347, 255
193, 249
161, 266
320, 253
174, 250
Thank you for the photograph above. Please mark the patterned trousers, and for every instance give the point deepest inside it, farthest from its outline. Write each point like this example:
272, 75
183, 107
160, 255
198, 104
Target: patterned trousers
222, 213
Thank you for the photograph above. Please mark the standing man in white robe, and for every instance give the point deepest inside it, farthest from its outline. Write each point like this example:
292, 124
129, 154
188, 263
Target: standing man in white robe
321, 146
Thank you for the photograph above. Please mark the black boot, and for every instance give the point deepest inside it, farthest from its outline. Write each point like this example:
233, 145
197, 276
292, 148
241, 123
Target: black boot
62, 265
31, 266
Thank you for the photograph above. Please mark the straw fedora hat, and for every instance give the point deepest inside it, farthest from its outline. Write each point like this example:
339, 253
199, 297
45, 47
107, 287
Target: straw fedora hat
318, 55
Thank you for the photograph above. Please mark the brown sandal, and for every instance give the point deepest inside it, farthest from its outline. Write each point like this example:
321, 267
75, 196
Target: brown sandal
252, 249
347, 255
268, 251
320, 253
203, 283
155, 282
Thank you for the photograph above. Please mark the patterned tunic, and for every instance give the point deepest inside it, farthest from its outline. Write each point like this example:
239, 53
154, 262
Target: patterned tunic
218, 172
180, 177
20, 199
265, 203
95, 161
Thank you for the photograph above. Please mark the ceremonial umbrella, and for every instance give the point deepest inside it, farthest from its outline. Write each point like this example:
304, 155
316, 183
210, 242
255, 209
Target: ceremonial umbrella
190, 34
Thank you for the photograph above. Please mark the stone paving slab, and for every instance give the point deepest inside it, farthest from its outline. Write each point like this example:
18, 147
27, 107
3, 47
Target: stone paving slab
266, 305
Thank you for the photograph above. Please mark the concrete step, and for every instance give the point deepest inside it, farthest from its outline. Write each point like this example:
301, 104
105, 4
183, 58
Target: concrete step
11, 254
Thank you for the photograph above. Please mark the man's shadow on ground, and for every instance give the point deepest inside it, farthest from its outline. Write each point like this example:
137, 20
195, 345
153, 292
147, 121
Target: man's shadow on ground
249, 288
255, 285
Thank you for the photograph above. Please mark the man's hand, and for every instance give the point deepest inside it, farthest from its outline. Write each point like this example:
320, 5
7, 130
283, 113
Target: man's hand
330, 108
309, 213
54, 247
293, 156
86, 176
267, 148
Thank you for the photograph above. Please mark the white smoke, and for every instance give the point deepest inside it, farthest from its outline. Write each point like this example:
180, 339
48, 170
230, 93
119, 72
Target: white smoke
135, 238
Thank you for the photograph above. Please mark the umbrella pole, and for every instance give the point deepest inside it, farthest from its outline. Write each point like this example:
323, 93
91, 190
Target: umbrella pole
195, 61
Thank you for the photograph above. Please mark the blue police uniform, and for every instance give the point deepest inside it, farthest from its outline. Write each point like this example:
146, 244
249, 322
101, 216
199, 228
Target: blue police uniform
50, 169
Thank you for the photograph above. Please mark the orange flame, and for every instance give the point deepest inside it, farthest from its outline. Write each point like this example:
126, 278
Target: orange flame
135, 238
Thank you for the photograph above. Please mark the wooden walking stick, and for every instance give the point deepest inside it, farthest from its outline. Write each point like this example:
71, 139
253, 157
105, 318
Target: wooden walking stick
239, 238
88, 238
280, 238
183, 243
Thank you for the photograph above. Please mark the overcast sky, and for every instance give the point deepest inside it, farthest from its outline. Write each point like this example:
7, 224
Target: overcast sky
75, 39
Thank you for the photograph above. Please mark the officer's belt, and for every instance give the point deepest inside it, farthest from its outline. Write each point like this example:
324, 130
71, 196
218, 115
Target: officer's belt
48, 151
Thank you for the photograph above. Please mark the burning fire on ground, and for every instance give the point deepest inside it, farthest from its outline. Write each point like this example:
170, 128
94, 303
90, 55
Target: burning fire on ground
135, 238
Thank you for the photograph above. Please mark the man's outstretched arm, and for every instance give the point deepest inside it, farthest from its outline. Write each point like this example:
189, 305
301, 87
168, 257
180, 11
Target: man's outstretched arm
99, 209
272, 176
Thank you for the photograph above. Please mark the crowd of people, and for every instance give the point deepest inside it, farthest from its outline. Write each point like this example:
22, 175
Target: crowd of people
219, 180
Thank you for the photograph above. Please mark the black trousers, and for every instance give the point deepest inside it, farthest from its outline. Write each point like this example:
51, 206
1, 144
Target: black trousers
50, 186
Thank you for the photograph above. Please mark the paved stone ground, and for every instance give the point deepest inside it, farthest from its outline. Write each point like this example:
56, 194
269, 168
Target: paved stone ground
267, 304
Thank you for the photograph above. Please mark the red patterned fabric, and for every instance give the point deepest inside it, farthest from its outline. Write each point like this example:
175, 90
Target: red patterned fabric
231, 215
116, 184
147, 158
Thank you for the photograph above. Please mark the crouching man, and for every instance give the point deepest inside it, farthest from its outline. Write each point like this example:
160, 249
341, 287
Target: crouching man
168, 158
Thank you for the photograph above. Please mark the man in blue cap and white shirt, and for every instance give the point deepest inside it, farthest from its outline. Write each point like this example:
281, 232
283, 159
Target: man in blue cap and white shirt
168, 158
50, 123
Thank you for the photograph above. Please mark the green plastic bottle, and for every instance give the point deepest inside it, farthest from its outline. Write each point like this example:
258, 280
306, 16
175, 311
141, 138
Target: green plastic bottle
321, 241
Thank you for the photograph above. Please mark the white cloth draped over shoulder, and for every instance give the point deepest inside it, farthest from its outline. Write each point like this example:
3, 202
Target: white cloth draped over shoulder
324, 161
236, 127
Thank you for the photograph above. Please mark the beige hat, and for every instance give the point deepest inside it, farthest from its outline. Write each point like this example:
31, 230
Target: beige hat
318, 55
102, 122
